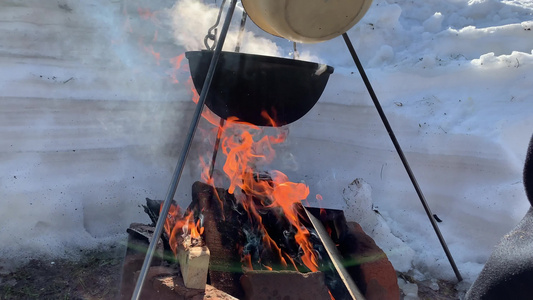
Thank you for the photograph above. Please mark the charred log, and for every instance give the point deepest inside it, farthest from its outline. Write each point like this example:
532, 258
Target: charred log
222, 238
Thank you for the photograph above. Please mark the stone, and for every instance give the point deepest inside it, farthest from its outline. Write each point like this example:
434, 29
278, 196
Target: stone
194, 264
212, 292
410, 290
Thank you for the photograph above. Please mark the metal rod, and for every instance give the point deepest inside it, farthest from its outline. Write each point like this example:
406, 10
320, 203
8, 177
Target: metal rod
215, 150
295, 54
222, 121
401, 154
184, 153
335, 257
241, 31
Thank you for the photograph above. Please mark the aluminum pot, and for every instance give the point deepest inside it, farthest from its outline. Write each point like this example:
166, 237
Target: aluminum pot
306, 21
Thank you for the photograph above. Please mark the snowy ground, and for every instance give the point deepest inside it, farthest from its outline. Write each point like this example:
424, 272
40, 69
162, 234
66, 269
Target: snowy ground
93, 112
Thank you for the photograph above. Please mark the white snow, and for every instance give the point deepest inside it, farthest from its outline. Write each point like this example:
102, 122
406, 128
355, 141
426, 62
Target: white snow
93, 114
410, 290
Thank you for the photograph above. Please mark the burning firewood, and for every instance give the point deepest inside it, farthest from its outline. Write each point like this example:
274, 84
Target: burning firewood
152, 208
222, 238
185, 240
246, 244
257, 225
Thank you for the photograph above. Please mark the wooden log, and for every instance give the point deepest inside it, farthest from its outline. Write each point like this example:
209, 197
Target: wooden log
225, 266
194, 264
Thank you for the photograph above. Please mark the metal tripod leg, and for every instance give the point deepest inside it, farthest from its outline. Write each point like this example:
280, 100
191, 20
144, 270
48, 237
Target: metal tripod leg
222, 122
400, 153
184, 153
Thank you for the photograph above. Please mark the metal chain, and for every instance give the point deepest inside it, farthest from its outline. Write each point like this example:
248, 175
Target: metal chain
212, 32
295, 54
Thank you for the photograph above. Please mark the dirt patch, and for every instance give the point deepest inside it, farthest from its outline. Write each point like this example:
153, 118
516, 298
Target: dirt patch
96, 275
434, 289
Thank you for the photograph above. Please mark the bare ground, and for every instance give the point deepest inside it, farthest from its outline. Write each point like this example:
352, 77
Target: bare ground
97, 275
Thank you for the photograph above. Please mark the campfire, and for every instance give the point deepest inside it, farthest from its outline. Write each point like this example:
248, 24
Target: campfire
253, 239
245, 233
257, 223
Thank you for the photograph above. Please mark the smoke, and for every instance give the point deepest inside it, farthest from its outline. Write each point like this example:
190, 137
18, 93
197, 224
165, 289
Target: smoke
191, 20
94, 119
91, 125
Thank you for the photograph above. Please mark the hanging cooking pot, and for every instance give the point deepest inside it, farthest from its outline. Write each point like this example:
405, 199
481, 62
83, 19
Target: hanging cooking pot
306, 21
246, 85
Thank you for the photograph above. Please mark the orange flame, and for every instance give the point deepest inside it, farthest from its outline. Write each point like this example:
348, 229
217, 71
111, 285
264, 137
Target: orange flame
176, 61
176, 66
157, 55
246, 146
150, 20
331, 295
146, 14
206, 113
176, 224
247, 261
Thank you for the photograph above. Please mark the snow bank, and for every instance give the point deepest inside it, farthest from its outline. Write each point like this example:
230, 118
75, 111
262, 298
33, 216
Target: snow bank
105, 79
88, 122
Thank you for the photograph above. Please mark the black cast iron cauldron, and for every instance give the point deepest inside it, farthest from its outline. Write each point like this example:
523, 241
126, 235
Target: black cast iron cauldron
245, 85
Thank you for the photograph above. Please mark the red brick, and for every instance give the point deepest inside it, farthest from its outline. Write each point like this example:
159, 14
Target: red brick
289, 285
378, 275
